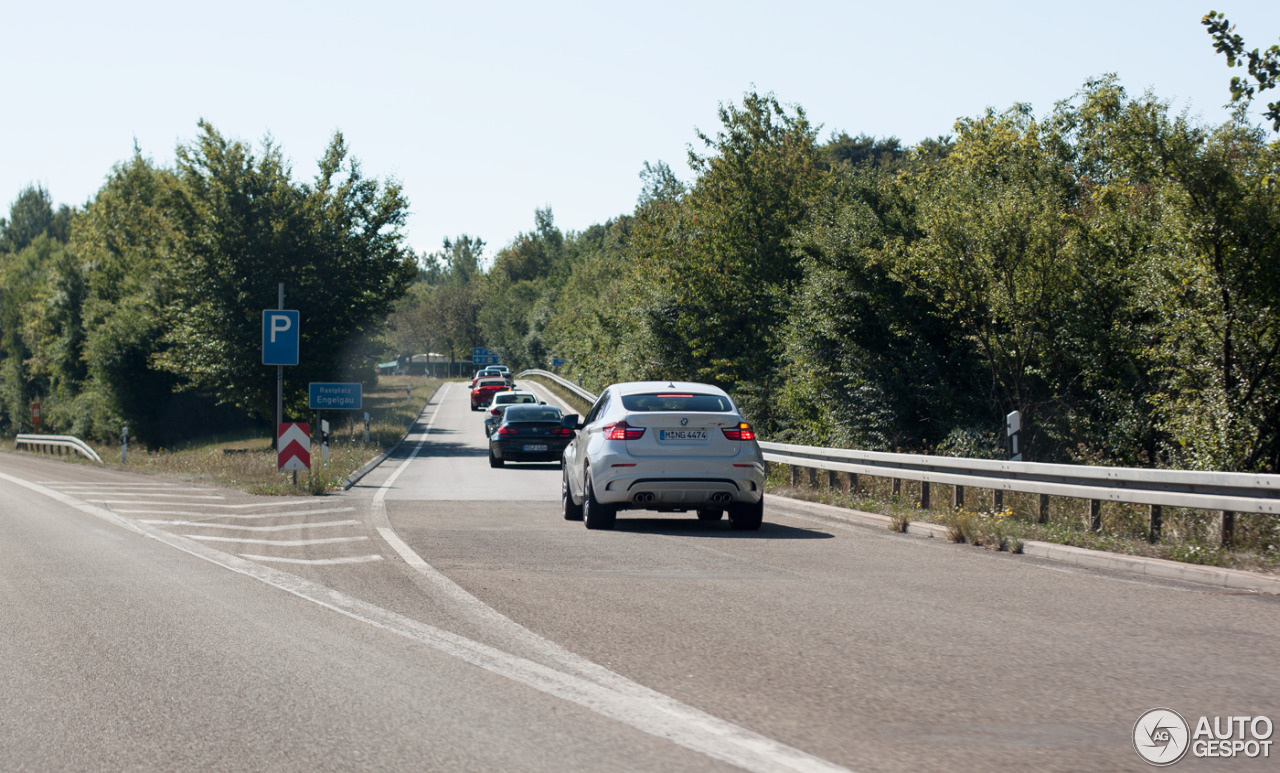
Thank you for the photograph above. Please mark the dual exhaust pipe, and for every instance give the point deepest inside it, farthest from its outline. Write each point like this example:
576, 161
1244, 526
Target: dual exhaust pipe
648, 497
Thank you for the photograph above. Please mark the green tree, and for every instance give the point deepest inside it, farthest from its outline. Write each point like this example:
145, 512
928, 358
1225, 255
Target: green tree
246, 227
1263, 66
714, 267
31, 215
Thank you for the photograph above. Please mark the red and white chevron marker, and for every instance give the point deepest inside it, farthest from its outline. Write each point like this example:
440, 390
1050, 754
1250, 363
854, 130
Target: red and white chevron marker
293, 446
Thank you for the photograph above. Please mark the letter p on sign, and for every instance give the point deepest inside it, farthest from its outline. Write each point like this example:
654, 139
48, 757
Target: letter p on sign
279, 337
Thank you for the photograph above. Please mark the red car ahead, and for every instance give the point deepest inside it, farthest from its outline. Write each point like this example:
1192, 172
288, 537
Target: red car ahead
484, 390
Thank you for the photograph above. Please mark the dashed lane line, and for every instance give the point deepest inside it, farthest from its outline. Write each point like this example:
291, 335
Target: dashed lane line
314, 561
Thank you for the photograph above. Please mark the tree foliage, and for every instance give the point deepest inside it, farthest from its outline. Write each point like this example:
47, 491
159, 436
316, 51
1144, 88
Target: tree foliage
1263, 66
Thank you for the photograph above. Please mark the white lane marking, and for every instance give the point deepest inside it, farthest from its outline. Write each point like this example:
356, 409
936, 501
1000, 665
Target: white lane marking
291, 503
284, 543
238, 516
165, 495
629, 702
314, 561
66, 486
238, 527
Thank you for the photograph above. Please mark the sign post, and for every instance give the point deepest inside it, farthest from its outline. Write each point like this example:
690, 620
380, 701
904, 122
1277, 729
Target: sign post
35, 417
280, 345
1013, 428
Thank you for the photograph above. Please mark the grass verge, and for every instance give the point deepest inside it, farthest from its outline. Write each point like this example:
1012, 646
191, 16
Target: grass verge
1188, 536
247, 461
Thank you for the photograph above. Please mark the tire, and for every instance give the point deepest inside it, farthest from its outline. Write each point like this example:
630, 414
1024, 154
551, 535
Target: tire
595, 514
494, 461
571, 511
710, 513
746, 517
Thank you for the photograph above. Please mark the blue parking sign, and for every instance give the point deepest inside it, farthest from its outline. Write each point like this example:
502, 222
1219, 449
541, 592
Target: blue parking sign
279, 337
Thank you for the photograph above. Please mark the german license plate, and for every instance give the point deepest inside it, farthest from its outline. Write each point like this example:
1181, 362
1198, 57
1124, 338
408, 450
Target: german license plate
682, 435
535, 446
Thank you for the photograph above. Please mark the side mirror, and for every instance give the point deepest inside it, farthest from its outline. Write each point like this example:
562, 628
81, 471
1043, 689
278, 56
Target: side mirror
570, 421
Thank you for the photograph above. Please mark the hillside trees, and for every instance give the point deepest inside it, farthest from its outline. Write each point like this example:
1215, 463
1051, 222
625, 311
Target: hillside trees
438, 314
714, 269
145, 308
516, 296
246, 227
1213, 296
41, 290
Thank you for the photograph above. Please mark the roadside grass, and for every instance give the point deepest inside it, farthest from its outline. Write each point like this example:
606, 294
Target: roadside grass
1189, 536
247, 461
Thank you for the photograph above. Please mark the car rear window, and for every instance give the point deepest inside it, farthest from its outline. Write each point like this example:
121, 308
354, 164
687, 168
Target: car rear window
533, 413
511, 399
677, 401
496, 383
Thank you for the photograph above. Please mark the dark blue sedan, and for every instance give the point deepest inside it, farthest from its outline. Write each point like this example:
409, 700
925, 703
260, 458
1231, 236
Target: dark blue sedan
528, 433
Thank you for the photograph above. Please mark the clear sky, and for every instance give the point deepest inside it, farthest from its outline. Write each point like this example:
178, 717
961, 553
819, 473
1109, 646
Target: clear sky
486, 111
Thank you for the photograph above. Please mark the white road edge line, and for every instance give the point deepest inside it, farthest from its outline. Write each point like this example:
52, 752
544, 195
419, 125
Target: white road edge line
650, 711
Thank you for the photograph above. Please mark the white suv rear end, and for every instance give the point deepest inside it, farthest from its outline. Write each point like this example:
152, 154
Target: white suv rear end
665, 446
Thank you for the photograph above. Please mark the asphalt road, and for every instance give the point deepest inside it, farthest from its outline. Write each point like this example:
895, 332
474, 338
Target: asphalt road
443, 616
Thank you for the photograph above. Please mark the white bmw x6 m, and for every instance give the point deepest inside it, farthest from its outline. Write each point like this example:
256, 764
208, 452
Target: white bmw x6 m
666, 446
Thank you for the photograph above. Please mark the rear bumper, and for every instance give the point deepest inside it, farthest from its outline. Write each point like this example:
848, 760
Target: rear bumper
672, 486
514, 452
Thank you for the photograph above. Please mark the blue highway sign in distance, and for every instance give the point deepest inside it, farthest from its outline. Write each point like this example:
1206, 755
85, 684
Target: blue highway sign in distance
279, 337
334, 397
484, 359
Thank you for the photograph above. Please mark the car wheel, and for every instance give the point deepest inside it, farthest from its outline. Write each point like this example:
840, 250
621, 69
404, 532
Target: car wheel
572, 512
493, 460
594, 513
710, 513
746, 517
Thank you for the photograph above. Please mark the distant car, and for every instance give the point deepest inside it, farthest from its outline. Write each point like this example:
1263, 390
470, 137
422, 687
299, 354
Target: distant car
484, 390
488, 372
665, 446
500, 403
529, 433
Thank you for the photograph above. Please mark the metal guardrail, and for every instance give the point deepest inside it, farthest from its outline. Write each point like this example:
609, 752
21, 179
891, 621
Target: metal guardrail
58, 443
564, 382
1229, 492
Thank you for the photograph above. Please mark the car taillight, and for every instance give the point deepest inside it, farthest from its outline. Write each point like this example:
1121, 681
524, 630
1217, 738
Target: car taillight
494, 412
741, 432
504, 430
562, 432
623, 431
